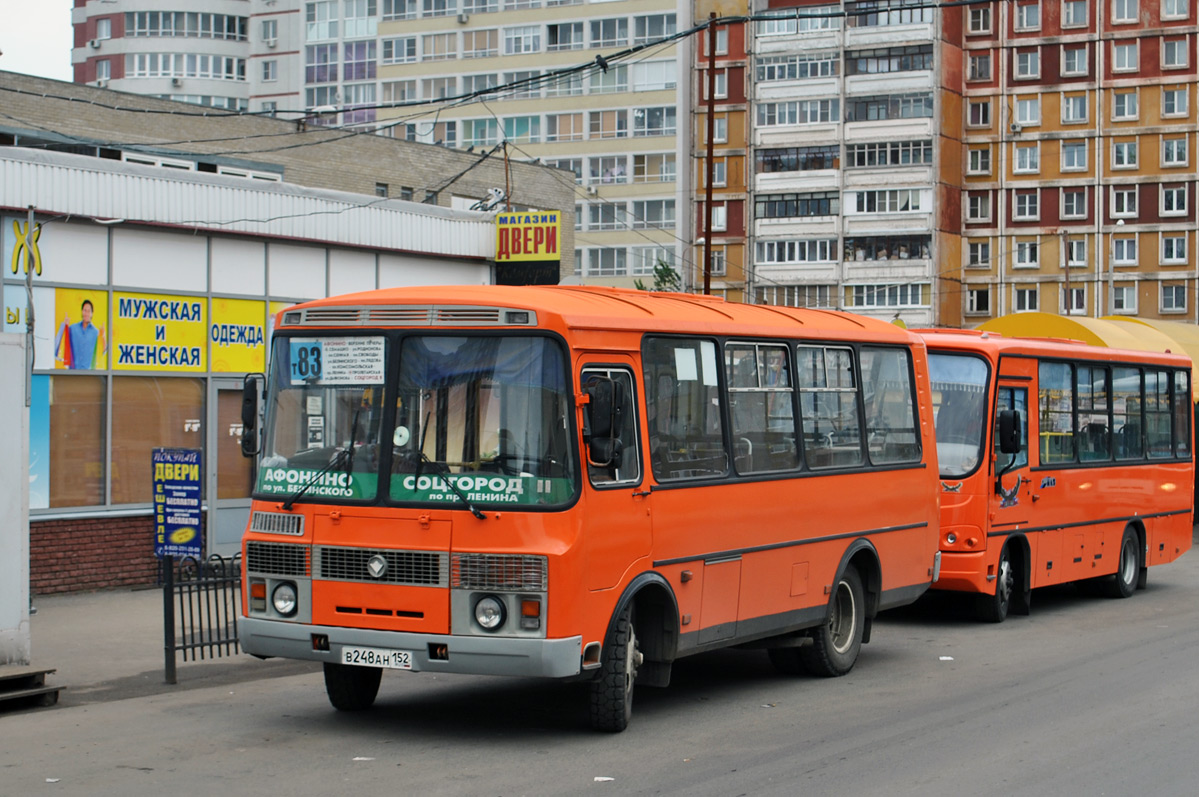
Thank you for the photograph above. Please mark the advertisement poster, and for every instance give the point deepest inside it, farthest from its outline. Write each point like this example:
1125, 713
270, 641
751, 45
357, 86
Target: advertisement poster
236, 336
39, 443
80, 328
16, 310
177, 504
152, 332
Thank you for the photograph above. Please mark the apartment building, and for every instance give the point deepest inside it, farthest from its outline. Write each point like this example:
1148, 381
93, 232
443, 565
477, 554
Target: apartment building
1079, 184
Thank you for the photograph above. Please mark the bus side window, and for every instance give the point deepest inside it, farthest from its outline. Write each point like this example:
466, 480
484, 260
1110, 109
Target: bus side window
1056, 393
684, 408
828, 407
891, 434
1015, 399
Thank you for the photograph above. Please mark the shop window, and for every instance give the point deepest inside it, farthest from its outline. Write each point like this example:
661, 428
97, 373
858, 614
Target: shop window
76, 469
151, 412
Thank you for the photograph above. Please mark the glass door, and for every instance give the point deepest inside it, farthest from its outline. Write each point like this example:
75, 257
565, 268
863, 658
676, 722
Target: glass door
230, 474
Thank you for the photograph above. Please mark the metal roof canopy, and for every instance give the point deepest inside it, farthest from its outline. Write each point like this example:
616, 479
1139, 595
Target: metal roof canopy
1113, 332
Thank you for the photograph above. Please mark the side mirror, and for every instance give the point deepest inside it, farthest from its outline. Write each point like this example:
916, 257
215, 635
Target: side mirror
1010, 435
603, 418
250, 391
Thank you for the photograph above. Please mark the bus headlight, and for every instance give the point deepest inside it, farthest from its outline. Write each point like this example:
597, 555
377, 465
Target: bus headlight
489, 613
284, 599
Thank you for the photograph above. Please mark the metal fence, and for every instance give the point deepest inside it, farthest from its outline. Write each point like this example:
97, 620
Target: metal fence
201, 600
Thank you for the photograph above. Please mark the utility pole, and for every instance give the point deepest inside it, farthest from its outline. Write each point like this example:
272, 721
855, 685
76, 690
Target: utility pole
708, 165
30, 240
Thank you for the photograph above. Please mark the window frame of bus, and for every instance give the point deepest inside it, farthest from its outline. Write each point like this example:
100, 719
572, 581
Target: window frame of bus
1179, 448
632, 422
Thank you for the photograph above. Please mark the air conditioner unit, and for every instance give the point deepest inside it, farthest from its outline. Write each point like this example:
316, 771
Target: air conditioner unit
176, 82
100, 84
272, 43
592, 190
1016, 128
95, 43
464, 18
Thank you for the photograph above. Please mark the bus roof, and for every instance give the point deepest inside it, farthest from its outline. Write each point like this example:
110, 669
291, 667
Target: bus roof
995, 344
595, 307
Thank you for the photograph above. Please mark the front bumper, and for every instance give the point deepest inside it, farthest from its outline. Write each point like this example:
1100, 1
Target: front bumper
474, 655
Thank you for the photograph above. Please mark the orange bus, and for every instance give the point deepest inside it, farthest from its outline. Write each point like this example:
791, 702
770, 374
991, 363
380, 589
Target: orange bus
1060, 462
581, 483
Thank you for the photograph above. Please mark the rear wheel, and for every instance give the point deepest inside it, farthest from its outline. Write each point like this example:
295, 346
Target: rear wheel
612, 690
994, 608
351, 688
836, 643
1124, 581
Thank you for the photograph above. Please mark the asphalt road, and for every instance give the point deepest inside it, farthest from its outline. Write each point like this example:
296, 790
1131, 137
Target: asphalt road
1087, 696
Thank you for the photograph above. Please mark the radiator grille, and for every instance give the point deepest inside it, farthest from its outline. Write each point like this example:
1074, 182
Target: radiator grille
415, 568
499, 572
277, 559
277, 523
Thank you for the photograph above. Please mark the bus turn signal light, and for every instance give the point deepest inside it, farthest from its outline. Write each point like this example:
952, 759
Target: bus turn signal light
530, 615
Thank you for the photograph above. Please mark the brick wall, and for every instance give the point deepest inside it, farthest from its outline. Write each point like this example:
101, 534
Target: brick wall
93, 553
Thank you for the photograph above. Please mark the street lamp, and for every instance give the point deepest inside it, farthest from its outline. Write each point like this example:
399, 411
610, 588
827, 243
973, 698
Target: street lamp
1111, 269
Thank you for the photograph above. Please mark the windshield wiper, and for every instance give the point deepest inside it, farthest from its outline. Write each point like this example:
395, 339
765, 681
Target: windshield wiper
339, 456
445, 474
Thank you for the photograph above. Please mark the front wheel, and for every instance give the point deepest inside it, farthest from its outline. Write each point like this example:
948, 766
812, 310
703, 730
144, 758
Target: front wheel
994, 608
836, 643
352, 688
1123, 582
612, 690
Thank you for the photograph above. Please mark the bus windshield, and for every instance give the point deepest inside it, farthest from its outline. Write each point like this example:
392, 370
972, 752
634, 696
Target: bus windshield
959, 384
490, 413
478, 420
326, 414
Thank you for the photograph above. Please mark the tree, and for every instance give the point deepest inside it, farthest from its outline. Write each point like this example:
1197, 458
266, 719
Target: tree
665, 279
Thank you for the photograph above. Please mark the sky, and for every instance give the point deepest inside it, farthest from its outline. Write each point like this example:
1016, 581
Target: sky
36, 37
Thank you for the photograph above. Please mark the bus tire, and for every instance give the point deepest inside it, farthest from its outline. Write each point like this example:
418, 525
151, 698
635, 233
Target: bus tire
837, 641
994, 608
1123, 582
612, 690
351, 688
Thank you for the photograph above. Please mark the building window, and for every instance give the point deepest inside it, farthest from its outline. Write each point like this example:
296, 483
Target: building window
1174, 298
654, 121
657, 168
652, 27
660, 75
790, 206
1174, 152
1028, 16
1124, 57
1074, 155
146, 413
905, 295
979, 160
1074, 61
270, 71
978, 301
1074, 13
608, 124
1074, 301
1028, 158
1028, 254
1174, 54
1028, 111
978, 254
1124, 201
1174, 200
1124, 298
360, 61
321, 64
523, 39
483, 43
104, 28
804, 159
1174, 249
607, 262
400, 9
1124, 105
1076, 253
1027, 205
1124, 251
321, 19
916, 58
654, 214
400, 50
523, 85
1124, 10
439, 46
564, 127
104, 69
799, 66
646, 258
720, 130
572, 165
797, 112
889, 106
888, 201
522, 129
980, 19
606, 216
980, 66
979, 113
609, 32
381, 189
1174, 102
1028, 64
795, 251
978, 207
480, 132
1074, 203
1124, 154
1024, 300
1176, 9
564, 36
361, 18
438, 8
1074, 109
613, 81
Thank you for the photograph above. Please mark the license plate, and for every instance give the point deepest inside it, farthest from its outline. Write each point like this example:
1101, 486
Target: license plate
377, 657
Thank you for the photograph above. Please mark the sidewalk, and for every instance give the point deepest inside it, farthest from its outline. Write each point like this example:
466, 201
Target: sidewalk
109, 646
